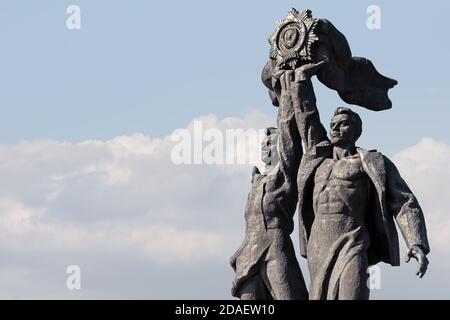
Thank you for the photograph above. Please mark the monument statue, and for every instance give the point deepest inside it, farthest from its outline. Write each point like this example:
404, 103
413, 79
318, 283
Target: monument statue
265, 264
348, 197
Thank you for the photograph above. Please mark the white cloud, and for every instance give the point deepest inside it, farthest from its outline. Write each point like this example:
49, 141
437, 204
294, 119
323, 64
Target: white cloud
426, 168
16, 219
124, 201
120, 194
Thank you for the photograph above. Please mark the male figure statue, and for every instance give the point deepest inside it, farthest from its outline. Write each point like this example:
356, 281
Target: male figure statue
348, 199
265, 264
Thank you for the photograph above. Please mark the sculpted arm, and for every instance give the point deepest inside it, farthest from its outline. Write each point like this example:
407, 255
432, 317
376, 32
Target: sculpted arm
306, 113
408, 215
289, 140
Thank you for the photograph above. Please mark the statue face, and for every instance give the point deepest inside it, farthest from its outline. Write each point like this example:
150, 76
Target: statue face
342, 132
269, 151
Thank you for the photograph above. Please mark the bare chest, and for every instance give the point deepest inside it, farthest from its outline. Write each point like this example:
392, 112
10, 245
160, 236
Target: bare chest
341, 187
348, 169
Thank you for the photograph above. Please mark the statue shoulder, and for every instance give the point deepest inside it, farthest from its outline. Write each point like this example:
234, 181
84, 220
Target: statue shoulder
374, 163
257, 176
370, 155
359, 149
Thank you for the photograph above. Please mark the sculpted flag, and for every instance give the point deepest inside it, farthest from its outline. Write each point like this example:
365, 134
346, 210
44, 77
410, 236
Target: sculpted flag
300, 39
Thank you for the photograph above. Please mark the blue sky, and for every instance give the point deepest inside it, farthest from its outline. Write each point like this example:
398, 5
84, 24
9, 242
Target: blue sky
85, 158
150, 67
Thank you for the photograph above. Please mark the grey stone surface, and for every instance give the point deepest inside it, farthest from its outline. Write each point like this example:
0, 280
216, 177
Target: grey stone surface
349, 198
354, 78
266, 266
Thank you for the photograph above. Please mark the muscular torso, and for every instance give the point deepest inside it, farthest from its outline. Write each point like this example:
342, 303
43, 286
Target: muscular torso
341, 187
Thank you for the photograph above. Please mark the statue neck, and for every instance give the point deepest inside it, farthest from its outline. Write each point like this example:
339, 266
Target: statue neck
340, 152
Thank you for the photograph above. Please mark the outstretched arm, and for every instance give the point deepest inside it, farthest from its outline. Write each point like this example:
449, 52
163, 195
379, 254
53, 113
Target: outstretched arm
289, 141
304, 102
280, 192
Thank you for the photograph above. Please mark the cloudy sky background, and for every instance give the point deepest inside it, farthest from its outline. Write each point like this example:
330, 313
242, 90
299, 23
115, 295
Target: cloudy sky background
85, 167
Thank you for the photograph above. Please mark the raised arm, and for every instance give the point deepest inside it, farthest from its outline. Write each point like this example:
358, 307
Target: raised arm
307, 116
289, 140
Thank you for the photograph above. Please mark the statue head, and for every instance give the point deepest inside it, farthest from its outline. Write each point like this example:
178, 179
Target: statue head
345, 127
269, 148
266, 78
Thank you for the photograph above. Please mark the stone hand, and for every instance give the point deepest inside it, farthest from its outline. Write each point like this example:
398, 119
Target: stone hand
308, 70
417, 253
282, 80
